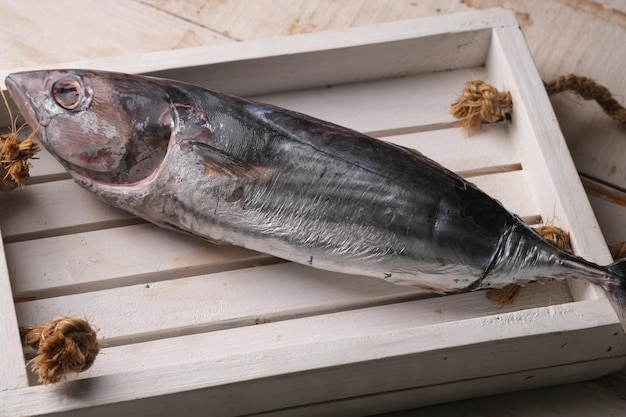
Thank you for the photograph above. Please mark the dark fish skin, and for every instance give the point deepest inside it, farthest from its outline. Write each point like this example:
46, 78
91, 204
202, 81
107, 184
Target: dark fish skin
254, 175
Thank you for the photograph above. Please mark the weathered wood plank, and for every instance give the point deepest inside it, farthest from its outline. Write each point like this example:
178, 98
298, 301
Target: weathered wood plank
49, 33
369, 363
12, 371
597, 397
287, 17
58, 207
263, 294
107, 258
405, 102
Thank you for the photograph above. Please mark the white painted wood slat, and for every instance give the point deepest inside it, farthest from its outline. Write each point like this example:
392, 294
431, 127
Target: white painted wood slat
405, 358
259, 295
57, 207
12, 370
118, 256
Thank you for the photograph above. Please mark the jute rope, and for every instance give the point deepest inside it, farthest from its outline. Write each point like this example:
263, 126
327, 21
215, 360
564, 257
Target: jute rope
14, 165
480, 102
65, 345
14, 155
588, 89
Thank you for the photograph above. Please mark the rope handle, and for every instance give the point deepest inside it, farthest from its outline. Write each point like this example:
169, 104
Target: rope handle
480, 102
65, 345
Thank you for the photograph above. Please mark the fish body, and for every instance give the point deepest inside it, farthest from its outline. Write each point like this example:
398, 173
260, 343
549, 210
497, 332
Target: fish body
253, 175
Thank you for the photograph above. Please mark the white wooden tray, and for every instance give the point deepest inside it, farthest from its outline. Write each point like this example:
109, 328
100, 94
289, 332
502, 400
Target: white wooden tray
199, 329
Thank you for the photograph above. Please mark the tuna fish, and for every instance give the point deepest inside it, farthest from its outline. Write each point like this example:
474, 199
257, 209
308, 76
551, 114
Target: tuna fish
238, 172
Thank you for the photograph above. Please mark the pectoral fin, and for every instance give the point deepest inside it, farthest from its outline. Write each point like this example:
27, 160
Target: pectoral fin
219, 163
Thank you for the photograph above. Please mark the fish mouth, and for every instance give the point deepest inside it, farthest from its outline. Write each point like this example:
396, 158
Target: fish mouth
22, 101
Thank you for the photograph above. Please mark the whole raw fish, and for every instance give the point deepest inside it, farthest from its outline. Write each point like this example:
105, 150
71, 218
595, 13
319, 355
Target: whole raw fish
283, 183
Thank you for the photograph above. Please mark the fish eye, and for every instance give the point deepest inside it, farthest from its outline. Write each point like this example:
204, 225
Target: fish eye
67, 92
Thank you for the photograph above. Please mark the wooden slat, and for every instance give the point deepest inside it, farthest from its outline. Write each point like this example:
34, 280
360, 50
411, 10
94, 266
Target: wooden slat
551, 172
489, 148
122, 27
224, 363
58, 207
570, 400
289, 17
378, 105
12, 370
258, 295
119, 256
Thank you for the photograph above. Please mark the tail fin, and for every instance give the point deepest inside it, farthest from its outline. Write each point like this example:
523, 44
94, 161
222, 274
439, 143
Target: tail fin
615, 288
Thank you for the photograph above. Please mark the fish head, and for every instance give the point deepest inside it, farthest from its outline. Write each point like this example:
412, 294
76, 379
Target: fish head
101, 126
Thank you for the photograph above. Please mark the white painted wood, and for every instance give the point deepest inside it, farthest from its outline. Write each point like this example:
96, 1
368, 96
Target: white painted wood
545, 154
467, 157
225, 373
57, 207
329, 341
50, 33
568, 400
320, 60
595, 140
263, 294
611, 219
289, 17
117, 256
419, 101
12, 366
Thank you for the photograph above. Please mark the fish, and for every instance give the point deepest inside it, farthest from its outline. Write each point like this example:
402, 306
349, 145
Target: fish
244, 173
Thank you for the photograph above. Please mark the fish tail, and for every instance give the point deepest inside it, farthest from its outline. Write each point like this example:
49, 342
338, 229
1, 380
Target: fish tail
615, 288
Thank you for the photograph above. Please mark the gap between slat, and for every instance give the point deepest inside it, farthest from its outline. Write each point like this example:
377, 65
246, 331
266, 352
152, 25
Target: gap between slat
604, 190
490, 170
406, 130
70, 230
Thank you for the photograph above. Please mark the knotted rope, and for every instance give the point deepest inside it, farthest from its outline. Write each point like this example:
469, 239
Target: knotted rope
480, 102
14, 155
14, 165
63, 346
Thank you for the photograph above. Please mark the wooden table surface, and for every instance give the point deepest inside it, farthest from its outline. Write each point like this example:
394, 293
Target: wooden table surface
564, 36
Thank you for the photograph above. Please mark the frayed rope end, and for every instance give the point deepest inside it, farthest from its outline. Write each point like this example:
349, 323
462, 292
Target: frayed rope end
480, 103
65, 345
